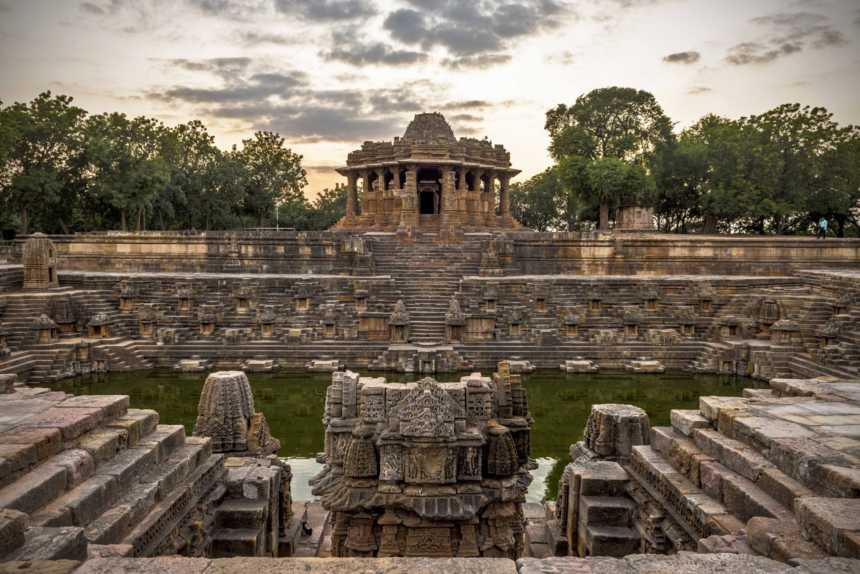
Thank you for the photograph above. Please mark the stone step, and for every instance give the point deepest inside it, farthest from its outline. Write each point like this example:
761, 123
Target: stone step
41, 543
240, 513
699, 514
615, 541
237, 542
165, 515
739, 494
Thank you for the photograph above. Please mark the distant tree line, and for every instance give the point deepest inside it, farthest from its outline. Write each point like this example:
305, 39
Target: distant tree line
63, 170
778, 172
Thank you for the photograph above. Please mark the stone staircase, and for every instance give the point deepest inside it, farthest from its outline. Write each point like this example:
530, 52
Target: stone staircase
427, 275
87, 476
751, 464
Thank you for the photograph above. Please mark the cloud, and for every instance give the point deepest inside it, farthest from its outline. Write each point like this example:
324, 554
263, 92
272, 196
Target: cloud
327, 10
255, 38
227, 68
755, 53
699, 90
786, 33
690, 57
475, 34
478, 61
352, 50
286, 101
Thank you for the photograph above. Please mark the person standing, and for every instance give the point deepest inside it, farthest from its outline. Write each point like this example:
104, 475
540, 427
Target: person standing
822, 228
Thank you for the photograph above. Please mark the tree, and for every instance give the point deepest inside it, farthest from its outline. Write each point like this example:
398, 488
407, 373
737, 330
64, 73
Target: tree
328, 207
40, 171
614, 183
274, 175
617, 124
541, 204
621, 123
127, 164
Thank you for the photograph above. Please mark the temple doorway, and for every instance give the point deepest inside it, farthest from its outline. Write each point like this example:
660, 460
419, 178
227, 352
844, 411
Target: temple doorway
429, 191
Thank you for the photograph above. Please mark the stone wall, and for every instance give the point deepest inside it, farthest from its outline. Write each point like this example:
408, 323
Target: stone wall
528, 253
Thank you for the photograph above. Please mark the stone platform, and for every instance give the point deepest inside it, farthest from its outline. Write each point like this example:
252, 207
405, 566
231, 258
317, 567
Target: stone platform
685, 563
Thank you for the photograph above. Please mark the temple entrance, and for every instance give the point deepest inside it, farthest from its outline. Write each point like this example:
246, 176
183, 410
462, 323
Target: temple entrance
429, 191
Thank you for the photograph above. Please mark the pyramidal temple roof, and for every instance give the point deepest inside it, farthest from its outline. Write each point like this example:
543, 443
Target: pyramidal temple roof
429, 127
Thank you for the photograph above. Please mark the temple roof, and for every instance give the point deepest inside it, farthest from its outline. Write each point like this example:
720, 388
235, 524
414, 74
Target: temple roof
429, 127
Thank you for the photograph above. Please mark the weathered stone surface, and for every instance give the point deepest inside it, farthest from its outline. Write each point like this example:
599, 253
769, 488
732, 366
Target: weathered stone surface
12, 527
612, 430
39, 567
832, 523
306, 565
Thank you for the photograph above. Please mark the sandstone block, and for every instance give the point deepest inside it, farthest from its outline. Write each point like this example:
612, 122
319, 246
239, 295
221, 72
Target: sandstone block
832, 523
72, 422
12, 527
35, 489
685, 421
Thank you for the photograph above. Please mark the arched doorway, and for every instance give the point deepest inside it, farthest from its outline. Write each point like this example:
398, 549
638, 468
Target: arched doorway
429, 191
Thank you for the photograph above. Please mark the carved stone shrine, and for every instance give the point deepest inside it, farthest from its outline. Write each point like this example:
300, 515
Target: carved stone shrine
426, 469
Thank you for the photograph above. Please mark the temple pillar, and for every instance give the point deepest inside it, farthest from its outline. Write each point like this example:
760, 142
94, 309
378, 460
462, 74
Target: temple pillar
380, 198
450, 218
409, 206
366, 192
489, 197
505, 199
478, 217
351, 195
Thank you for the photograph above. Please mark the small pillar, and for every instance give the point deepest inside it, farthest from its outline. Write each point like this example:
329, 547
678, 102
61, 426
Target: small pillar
613, 430
40, 261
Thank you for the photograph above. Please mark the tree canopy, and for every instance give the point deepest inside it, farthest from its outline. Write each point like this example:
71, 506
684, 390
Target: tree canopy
777, 172
63, 170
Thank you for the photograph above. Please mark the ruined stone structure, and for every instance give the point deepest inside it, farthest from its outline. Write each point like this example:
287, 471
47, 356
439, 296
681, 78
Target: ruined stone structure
773, 473
40, 262
226, 415
427, 468
428, 180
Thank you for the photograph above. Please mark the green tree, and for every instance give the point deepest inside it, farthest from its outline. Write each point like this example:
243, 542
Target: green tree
273, 175
128, 167
40, 175
541, 204
328, 207
603, 127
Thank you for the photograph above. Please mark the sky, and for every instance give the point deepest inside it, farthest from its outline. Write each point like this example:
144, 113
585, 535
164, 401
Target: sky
330, 74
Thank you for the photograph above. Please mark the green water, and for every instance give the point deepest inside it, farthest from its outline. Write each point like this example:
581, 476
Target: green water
293, 404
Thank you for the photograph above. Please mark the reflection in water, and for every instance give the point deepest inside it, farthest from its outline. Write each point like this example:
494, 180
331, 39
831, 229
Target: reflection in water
293, 404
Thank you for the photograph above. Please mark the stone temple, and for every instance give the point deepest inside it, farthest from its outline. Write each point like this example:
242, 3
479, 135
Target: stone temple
428, 180
428, 276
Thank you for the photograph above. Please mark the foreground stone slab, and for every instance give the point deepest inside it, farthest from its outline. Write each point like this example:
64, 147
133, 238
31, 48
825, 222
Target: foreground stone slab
169, 565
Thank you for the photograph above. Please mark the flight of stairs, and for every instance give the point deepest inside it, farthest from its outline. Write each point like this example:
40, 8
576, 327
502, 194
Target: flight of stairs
427, 275
89, 475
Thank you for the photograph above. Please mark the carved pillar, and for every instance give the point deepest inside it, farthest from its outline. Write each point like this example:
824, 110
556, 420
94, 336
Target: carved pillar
450, 219
409, 211
366, 192
351, 193
380, 198
505, 200
478, 216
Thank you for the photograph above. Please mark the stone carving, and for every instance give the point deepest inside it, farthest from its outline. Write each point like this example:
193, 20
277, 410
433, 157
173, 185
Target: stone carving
40, 263
226, 414
612, 430
45, 329
406, 184
396, 455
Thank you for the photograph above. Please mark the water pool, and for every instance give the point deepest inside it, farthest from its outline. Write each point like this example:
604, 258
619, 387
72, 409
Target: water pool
293, 405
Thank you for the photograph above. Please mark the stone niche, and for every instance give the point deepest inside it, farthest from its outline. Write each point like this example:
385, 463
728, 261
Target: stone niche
428, 468
40, 263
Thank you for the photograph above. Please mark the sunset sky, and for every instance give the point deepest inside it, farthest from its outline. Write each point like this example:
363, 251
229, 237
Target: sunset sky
329, 74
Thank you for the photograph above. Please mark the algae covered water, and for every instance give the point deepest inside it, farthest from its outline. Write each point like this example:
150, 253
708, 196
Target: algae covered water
293, 404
